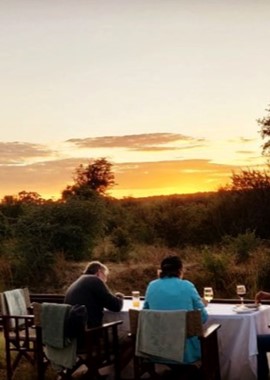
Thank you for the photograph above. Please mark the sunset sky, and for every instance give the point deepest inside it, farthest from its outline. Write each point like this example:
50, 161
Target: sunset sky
169, 91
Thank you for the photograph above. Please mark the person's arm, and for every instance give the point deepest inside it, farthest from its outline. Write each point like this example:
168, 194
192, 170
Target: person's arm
146, 303
107, 299
261, 295
198, 303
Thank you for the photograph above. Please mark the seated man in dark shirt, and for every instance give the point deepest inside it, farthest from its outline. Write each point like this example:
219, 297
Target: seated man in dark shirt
90, 289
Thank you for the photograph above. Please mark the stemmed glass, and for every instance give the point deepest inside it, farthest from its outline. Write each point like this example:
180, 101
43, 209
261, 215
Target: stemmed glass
241, 291
208, 294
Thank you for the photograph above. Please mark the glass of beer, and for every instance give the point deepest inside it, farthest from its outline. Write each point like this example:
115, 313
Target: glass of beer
135, 298
208, 294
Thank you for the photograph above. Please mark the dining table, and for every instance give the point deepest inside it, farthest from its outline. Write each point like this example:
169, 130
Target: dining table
237, 337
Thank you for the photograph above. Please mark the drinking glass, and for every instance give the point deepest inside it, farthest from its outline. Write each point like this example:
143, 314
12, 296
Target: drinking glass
136, 298
241, 291
208, 294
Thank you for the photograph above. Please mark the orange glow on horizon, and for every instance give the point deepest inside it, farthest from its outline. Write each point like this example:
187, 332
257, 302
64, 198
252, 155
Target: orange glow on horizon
140, 179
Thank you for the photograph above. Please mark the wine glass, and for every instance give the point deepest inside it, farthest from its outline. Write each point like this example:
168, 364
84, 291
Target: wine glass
208, 294
241, 291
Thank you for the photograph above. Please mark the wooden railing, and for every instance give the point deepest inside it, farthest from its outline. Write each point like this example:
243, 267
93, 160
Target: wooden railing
47, 297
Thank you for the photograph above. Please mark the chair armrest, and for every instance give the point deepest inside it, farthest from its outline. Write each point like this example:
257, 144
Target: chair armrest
105, 326
210, 330
24, 316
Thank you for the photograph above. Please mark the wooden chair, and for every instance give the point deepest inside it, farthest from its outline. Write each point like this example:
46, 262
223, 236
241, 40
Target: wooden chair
99, 349
102, 349
19, 334
206, 369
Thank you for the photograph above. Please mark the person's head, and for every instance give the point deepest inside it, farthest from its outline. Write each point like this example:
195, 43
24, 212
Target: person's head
171, 266
98, 269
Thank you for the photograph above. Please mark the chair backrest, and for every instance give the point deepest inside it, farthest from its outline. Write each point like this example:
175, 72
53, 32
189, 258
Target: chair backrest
208, 366
15, 302
162, 333
102, 349
193, 322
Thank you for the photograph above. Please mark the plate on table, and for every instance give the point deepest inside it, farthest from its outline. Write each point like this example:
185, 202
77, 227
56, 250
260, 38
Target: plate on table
245, 309
252, 305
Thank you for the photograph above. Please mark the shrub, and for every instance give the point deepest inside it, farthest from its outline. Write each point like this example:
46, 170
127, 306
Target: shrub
215, 268
242, 245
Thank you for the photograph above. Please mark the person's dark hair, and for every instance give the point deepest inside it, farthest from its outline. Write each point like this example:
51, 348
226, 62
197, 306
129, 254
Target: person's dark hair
171, 266
94, 266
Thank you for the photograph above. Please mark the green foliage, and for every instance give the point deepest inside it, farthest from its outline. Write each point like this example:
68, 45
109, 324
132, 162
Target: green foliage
242, 245
215, 267
244, 205
115, 248
261, 268
41, 231
120, 238
5, 229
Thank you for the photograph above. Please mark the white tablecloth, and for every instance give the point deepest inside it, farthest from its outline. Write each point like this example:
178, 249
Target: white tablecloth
237, 337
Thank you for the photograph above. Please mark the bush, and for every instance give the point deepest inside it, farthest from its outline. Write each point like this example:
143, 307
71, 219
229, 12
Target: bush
242, 245
216, 271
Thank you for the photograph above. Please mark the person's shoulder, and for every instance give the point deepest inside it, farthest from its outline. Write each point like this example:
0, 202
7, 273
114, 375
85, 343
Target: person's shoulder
187, 283
90, 279
154, 282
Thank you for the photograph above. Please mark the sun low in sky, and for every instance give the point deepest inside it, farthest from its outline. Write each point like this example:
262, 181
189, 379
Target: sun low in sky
168, 91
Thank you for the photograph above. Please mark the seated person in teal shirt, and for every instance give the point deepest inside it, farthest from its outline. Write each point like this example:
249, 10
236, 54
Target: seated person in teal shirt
171, 292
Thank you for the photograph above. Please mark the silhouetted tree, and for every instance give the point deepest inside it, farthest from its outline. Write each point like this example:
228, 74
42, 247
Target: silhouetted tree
95, 177
250, 180
29, 197
244, 204
265, 131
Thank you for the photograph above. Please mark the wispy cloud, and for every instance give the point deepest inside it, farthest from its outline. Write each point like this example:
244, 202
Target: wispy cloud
17, 152
140, 142
242, 140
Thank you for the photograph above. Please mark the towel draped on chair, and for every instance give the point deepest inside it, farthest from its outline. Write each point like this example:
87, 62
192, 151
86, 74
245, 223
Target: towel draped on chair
161, 334
16, 304
60, 350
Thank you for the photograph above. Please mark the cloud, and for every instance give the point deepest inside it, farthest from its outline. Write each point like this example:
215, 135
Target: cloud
47, 178
140, 142
17, 152
242, 140
246, 152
